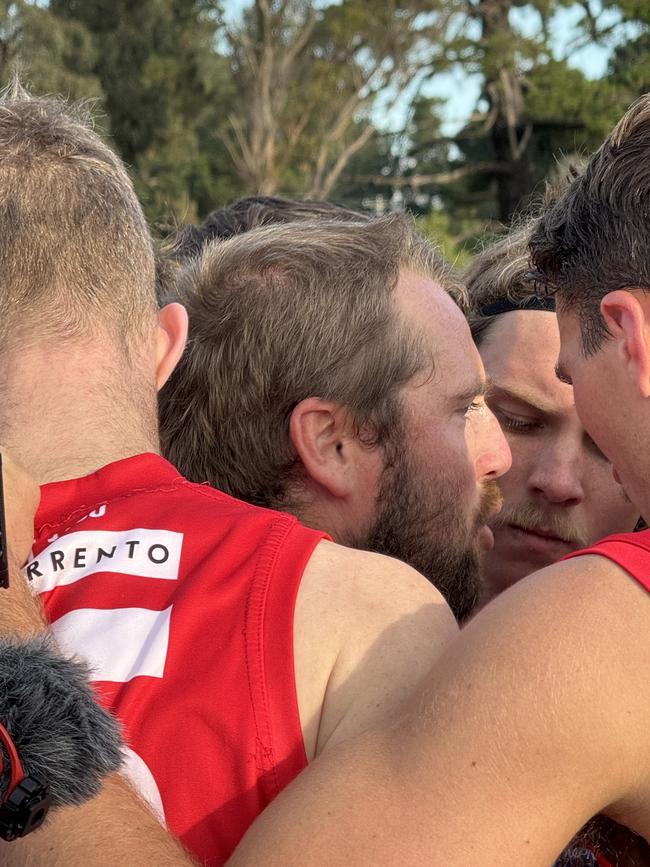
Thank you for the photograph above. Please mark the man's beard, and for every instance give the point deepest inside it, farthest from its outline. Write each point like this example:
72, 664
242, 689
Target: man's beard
421, 522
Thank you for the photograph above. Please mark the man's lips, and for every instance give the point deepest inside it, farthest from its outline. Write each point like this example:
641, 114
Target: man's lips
541, 541
540, 531
485, 537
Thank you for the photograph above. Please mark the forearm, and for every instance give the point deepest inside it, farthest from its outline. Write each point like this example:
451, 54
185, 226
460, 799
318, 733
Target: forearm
115, 829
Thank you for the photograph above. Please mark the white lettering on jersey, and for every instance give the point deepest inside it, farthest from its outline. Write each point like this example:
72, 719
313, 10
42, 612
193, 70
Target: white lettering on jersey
147, 553
99, 512
96, 513
118, 644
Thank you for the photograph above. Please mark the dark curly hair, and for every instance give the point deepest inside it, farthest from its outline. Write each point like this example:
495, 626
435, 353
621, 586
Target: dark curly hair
596, 237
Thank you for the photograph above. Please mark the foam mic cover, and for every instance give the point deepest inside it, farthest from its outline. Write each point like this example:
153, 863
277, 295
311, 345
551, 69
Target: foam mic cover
577, 857
62, 735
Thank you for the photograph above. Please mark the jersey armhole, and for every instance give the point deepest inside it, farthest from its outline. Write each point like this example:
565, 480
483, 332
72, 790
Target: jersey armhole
270, 650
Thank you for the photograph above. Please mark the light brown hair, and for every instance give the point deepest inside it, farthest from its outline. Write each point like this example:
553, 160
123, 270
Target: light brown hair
76, 250
498, 273
280, 314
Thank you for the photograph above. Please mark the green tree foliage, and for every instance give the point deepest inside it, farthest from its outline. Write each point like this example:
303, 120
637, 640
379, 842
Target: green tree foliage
165, 89
532, 107
629, 67
50, 54
534, 111
292, 97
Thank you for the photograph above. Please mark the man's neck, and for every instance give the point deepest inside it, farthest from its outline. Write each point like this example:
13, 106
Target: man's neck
56, 467
325, 514
66, 414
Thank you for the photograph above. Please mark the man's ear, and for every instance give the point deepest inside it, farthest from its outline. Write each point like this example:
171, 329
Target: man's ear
625, 316
170, 340
320, 431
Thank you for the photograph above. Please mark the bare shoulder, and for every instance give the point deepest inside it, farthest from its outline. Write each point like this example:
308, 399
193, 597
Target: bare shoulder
366, 591
367, 629
589, 595
585, 613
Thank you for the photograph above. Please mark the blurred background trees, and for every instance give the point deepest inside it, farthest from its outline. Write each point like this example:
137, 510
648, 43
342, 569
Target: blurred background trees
208, 100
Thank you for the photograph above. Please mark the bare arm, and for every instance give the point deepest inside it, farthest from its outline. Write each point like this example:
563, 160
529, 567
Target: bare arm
115, 828
367, 631
535, 719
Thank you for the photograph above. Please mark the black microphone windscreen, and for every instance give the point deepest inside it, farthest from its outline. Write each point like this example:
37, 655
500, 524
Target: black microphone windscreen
62, 735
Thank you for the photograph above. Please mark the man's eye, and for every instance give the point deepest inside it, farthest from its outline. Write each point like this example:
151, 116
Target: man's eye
474, 405
517, 425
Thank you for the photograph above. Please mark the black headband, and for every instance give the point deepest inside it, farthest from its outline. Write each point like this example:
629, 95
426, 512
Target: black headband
505, 305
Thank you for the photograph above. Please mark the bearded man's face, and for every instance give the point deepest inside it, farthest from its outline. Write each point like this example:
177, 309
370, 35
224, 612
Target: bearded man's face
423, 521
437, 489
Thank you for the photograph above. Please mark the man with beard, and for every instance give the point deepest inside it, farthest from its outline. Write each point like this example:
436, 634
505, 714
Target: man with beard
313, 384
536, 717
233, 643
559, 494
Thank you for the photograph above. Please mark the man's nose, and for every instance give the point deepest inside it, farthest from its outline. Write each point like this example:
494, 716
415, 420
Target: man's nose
556, 475
495, 457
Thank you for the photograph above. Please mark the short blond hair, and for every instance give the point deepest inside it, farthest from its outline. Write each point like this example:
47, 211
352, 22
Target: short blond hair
76, 250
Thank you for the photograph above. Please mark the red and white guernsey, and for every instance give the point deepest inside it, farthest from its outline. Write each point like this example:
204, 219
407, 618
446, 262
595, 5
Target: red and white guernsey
631, 551
181, 600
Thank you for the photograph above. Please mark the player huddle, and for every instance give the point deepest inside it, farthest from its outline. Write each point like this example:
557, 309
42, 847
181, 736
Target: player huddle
281, 645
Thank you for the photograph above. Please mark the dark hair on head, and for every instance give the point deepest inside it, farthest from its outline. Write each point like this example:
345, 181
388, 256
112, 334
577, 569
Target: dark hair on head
501, 271
596, 237
249, 213
187, 242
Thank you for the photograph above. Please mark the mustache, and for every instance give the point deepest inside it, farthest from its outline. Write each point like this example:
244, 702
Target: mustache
530, 516
490, 502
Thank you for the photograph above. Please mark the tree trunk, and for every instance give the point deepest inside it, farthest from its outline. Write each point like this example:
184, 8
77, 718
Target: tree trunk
510, 130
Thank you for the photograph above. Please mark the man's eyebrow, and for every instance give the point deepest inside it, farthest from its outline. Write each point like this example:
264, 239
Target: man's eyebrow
479, 389
530, 400
562, 375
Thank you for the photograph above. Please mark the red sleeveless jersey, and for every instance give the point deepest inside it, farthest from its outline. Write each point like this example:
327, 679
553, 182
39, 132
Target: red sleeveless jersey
181, 600
631, 551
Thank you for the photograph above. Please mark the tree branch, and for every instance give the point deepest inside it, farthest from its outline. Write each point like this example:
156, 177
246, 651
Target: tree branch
417, 181
345, 156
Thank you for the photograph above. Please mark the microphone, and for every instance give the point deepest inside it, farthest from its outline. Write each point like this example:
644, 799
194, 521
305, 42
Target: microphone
62, 735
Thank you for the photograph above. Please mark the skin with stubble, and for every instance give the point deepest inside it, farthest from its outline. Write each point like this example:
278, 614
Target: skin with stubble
437, 488
560, 494
422, 523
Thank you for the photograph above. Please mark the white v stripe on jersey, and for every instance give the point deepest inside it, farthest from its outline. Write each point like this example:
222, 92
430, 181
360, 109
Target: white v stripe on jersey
137, 771
148, 553
118, 644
